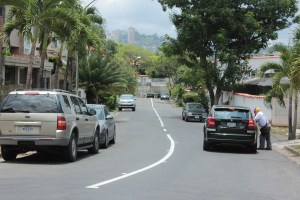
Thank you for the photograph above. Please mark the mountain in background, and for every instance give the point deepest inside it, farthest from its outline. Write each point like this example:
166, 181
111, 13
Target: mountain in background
133, 37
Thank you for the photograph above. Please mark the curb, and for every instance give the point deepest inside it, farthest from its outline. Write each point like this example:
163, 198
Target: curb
292, 151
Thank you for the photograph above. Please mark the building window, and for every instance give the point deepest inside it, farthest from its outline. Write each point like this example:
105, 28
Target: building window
23, 74
10, 75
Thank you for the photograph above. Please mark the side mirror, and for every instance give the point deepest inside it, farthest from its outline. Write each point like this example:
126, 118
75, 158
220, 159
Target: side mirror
109, 117
92, 112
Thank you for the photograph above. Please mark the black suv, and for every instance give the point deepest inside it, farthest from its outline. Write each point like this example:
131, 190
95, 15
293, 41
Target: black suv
231, 125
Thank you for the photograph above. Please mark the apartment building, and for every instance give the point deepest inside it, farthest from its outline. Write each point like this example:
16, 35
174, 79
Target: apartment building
131, 35
15, 61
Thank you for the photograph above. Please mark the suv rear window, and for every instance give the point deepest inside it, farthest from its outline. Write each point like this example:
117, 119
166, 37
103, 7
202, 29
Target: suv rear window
37, 103
230, 113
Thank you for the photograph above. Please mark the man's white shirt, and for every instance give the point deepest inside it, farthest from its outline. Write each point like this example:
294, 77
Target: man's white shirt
261, 119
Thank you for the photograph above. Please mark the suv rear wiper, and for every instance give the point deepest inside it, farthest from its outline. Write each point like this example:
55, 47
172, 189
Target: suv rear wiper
23, 111
9, 110
236, 117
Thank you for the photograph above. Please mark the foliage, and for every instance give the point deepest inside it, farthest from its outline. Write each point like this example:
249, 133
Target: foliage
191, 97
200, 97
136, 57
100, 75
222, 34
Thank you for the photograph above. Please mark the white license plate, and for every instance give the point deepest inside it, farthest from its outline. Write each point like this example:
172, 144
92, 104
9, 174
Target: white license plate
27, 129
231, 124
196, 117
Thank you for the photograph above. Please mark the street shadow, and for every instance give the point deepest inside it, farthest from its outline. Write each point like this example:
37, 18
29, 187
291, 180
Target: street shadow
46, 158
232, 149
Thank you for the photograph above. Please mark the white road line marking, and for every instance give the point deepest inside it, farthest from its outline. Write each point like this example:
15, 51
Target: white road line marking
161, 122
163, 160
171, 150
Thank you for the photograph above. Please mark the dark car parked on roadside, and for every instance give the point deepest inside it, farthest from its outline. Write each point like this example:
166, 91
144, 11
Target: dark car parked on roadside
106, 123
193, 112
230, 125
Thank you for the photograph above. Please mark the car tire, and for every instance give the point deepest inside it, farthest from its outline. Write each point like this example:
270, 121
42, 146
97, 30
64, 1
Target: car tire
8, 154
182, 117
113, 140
105, 144
120, 109
95, 148
133, 109
71, 149
253, 148
186, 118
206, 145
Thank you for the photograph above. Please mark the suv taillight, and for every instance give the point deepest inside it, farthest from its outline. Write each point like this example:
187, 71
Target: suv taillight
211, 122
251, 124
61, 123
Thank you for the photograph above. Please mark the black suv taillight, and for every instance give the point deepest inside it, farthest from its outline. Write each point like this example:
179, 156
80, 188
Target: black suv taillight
61, 123
251, 124
211, 122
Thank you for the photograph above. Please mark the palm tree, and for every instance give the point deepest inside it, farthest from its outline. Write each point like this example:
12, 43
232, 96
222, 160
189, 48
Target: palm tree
100, 74
88, 33
31, 17
284, 70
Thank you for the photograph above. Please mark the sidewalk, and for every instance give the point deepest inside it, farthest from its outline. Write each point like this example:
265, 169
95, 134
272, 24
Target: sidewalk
282, 142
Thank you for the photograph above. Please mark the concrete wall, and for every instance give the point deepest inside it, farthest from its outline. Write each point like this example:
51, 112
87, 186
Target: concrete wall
278, 115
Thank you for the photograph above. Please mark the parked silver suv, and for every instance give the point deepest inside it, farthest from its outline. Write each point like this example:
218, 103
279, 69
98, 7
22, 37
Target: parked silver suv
52, 120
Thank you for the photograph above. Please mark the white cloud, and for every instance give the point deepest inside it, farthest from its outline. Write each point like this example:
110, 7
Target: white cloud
146, 16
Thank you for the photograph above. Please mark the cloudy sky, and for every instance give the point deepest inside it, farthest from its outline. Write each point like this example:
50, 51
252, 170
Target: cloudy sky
146, 16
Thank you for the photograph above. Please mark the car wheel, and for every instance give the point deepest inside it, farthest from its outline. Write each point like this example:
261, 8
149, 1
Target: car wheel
182, 117
95, 148
8, 154
105, 144
133, 109
71, 149
113, 141
253, 148
120, 109
186, 118
206, 145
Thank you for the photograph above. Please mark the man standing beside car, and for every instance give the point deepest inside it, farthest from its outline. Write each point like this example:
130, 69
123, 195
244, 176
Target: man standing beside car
265, 128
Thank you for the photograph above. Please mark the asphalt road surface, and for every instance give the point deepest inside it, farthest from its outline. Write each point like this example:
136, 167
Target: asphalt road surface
157, 156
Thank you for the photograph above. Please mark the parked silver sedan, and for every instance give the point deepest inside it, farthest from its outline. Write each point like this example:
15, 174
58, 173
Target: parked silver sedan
107, 124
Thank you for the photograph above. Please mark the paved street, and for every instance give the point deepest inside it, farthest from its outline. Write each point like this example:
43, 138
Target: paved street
157, 156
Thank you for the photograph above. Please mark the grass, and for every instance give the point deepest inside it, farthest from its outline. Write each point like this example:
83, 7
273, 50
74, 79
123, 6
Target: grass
278, 130
295, 147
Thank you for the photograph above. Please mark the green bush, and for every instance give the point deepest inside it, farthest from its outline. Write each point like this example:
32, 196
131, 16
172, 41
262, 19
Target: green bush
191, 97
111, 102
200, 97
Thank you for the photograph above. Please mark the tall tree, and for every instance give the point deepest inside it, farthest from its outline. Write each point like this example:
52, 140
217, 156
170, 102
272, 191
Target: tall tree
223, 33
30, 17
279, 88
88, 35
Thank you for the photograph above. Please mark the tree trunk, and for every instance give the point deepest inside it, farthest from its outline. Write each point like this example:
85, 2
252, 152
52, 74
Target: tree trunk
1, 59
66, 74
295, 114
71, 74
58, 65
290, 113
31, 59
43, 52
